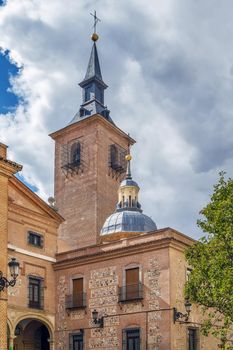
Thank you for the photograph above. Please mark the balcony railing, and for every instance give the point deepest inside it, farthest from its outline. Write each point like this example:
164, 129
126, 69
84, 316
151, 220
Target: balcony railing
131, 292
76, 301
36, 304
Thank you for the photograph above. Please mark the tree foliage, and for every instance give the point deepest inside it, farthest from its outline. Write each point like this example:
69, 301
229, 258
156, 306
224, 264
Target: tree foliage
211, 280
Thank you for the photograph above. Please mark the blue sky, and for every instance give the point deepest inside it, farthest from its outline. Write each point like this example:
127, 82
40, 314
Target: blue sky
170, 78
8, 100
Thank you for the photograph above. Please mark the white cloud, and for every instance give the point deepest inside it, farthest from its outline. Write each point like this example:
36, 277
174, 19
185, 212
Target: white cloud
168, 65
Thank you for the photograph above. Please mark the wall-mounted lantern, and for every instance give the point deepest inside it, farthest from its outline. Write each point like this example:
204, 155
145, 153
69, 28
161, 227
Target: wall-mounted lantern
14, 271
96, 320
177, 315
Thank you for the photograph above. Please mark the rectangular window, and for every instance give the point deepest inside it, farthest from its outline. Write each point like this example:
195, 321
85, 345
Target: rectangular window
78, 295
35, 293
131, 339
76, 341
35, 239
192, 339
132, 283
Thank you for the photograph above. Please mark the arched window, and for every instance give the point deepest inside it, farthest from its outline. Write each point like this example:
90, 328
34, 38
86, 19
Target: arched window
113, 155
131, 338
88, 90
76, 154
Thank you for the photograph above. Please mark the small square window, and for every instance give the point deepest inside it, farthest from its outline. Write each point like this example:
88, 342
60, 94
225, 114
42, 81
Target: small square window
35, 239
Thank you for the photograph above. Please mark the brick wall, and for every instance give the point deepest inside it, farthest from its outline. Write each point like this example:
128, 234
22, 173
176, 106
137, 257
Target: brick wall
161, 260
101, 281
87, 197
3, 257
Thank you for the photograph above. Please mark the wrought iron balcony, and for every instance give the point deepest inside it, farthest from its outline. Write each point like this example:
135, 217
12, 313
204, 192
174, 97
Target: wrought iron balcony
36, 304
77, 301
131, 292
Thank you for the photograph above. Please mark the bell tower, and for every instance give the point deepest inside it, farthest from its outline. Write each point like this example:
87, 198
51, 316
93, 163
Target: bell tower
89, 163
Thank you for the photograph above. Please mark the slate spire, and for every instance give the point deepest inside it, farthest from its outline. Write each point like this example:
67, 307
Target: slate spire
93, 88
93, 68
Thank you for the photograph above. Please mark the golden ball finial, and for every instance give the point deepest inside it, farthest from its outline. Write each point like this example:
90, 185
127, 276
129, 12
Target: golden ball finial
94, 37
128, 157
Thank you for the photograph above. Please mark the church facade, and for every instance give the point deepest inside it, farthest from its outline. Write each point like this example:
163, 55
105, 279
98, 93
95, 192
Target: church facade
95, 271
28, 233
120, 279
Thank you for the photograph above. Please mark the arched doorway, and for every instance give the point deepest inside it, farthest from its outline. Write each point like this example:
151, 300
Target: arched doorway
8, 336
32, 334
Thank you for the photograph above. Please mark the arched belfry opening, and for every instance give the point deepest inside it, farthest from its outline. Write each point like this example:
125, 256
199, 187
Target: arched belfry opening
32, 334
75, 154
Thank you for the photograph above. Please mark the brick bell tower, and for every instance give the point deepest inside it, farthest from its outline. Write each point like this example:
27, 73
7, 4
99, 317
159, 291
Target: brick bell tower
89, 163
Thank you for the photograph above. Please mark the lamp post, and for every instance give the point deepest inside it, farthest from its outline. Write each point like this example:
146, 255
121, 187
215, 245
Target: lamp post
177, 315
98, 321
14, 271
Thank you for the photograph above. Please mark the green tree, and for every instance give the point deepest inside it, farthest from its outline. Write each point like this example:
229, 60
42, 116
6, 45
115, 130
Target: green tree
210, 283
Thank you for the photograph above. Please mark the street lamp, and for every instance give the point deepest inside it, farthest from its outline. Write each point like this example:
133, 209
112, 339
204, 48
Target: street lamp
95, 318
14, 271
177, 315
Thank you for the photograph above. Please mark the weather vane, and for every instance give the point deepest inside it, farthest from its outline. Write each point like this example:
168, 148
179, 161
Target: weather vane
96, 20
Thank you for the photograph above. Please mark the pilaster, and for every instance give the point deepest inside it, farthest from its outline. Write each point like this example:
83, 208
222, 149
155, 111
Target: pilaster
7, 169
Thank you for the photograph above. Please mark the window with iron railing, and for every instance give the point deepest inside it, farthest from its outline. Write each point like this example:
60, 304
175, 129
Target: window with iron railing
36, 293
131, 292
78, 298
75, 154
133, 288
117, 158
76, 302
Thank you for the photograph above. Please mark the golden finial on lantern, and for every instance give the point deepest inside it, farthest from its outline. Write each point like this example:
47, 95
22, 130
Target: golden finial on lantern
94, 37
128, 157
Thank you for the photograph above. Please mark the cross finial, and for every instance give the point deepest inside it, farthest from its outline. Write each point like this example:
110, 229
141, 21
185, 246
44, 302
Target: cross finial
96, 20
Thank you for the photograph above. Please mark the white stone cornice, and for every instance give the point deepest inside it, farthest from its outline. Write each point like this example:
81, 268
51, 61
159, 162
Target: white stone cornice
29, 253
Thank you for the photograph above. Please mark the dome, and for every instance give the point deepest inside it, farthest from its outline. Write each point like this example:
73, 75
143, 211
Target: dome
128, 182
128, 218
128, 221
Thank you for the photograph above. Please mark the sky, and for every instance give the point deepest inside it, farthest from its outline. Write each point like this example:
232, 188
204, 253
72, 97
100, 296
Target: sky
169, 67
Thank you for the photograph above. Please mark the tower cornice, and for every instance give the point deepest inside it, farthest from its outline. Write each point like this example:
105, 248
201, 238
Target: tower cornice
94, 118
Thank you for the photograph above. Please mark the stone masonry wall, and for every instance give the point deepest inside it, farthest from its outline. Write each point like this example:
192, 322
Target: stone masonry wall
103, 287
102, 283
61, 314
